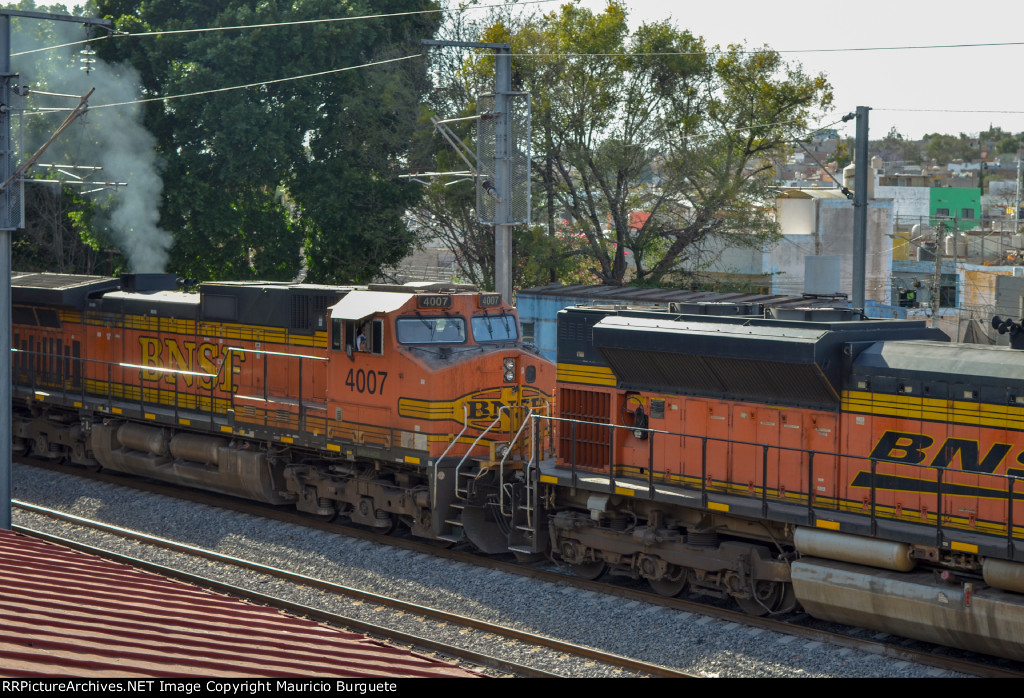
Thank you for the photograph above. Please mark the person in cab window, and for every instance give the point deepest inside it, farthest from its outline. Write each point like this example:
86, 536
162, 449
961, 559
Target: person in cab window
361, 340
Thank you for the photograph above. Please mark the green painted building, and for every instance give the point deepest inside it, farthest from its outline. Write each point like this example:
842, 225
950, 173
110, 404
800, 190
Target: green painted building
955, 207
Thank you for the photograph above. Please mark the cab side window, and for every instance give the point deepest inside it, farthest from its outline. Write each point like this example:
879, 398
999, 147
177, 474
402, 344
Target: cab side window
337, 338
364, 336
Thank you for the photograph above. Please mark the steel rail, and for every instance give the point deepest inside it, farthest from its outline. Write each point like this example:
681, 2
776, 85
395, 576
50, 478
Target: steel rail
341, 590
780, 625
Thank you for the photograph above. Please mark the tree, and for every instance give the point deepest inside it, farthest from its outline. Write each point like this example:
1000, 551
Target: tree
943, 148
653, 122
993, 134
895, 148
262, 181
1010, 144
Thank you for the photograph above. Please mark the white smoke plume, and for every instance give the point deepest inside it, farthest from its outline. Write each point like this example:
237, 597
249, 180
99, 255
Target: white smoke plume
111, 137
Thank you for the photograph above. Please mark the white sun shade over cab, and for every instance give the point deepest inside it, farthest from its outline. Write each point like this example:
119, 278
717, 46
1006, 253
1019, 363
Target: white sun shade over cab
360, 304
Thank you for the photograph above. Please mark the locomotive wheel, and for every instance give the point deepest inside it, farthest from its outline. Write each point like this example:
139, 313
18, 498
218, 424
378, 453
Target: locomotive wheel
588, 570
322, 518
390, 528
788, 602
766, 599
672, 584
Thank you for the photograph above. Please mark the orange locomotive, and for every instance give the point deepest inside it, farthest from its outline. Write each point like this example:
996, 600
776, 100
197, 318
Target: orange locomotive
867, 470
382, 403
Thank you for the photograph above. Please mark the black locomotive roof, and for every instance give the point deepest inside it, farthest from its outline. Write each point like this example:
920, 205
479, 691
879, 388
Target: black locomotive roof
166, 304
294, 306
775, 361
940, 370
297, 307
771, 364
59, 290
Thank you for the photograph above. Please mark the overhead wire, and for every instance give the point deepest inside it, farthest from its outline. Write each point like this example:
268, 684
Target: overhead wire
267, 25
240, 87
468, 8
534, 55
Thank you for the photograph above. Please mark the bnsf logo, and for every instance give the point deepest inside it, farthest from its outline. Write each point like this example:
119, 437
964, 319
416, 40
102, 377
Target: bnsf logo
916, 449
489, 409
196, 357
479, 408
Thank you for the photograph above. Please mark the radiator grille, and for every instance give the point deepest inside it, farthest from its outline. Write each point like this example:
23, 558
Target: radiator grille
588, 445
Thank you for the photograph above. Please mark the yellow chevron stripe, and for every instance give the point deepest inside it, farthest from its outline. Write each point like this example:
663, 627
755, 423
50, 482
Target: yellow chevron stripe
954, 411
424, 409
588, 375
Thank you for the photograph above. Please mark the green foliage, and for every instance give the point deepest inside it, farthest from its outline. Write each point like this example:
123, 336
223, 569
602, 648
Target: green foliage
1010, 144
844, 152
943, 148
253, 177
994, 133
895, 148
650, 121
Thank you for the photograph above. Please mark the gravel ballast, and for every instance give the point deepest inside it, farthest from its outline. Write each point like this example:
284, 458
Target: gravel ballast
685, 641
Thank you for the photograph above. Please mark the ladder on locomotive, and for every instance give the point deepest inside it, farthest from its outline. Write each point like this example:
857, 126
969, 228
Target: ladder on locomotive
510, 509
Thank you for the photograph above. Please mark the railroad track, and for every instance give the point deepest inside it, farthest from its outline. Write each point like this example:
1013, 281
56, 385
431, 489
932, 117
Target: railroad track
420, 642
789, 626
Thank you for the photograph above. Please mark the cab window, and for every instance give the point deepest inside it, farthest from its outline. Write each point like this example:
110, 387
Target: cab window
361, 336
431, 330
495, 328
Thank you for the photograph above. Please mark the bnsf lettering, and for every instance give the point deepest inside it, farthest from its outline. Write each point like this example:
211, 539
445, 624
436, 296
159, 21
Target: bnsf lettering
190, 356
911, 448
481, 409
489, 409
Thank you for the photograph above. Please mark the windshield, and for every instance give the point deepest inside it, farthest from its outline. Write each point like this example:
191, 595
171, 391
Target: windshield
495, 328
431, 330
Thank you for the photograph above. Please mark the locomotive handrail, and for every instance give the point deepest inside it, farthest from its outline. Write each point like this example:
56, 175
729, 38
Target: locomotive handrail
58, 375
437, 461
469, 450
161, 369
527, 419
276, 353
814, 509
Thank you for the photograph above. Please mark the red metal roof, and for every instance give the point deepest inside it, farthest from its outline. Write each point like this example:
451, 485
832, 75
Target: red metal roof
65, 613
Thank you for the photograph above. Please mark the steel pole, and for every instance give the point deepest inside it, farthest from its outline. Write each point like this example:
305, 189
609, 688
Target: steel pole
6, 170
860, 209
7, 202
502, 174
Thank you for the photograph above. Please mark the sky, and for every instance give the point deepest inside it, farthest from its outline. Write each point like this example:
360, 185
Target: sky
917, 91
893, 83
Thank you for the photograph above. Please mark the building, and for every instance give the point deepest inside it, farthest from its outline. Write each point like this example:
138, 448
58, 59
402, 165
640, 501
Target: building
817, 222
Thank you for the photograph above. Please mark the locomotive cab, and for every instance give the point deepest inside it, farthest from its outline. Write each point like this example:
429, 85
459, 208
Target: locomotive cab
437, 377
433, 363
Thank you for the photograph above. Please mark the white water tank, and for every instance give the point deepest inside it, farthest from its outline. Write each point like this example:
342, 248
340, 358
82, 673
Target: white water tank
850, 179
956, 245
